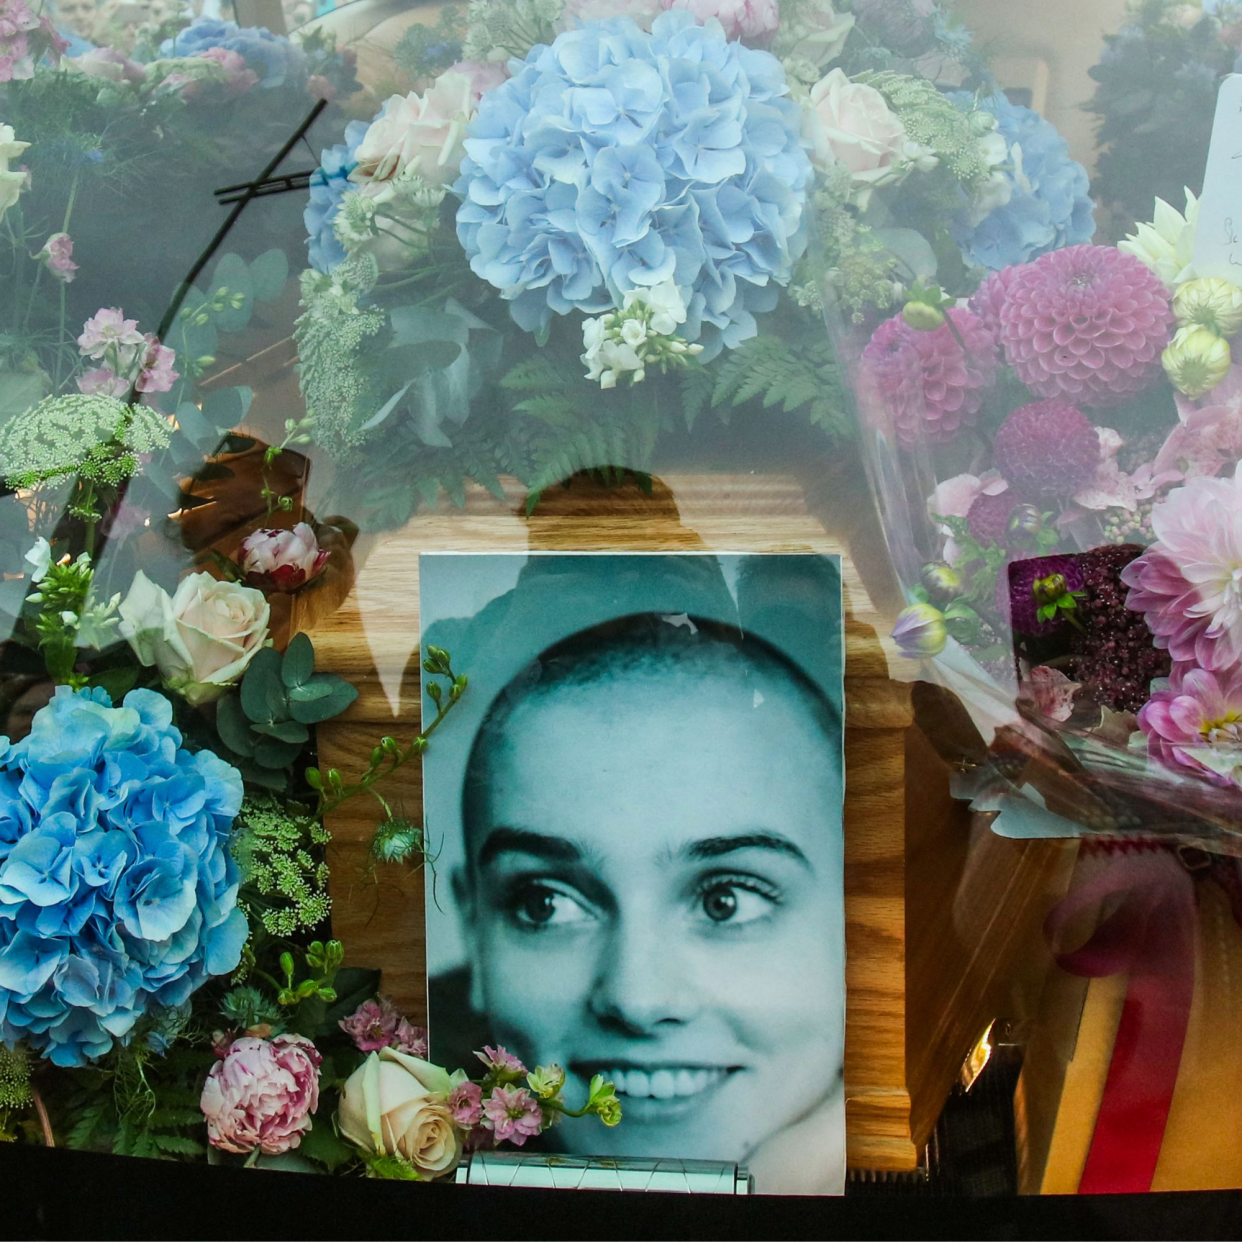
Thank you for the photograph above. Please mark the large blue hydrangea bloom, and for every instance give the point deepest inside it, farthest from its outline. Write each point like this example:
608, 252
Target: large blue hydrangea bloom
328, 185
277, 60
118, 893
1050, 205
615, 159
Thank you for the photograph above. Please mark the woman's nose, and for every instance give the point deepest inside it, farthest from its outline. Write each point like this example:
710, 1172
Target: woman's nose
641, 984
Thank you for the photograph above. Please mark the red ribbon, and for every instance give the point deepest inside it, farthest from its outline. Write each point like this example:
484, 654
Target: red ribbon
1149, 932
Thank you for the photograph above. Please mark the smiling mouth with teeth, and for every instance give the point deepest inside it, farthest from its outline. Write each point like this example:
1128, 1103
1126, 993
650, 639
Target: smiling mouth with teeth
665, 1083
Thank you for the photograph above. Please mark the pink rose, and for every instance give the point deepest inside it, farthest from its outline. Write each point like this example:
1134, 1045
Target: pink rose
741, 19
262, 1094
282, 560
416, 134
850, 123
486, 75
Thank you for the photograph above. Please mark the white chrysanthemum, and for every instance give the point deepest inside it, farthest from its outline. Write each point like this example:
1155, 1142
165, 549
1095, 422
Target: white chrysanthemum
1167, 244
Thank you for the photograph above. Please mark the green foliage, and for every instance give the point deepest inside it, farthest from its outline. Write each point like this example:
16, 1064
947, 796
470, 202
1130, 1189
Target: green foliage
14, 1077
265, 723
285, 878
767, 370
245, 1007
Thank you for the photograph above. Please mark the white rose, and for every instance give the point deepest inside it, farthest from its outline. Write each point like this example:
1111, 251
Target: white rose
12, 181
421, 133
851, 124
202, 638
394, 1104
816, 36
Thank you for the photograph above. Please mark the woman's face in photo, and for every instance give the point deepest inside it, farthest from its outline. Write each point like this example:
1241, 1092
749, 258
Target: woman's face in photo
656, 893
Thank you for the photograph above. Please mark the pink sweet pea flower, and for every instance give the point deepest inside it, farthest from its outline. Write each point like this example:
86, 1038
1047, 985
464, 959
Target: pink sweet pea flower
57, 257
466, 1101
512, 1115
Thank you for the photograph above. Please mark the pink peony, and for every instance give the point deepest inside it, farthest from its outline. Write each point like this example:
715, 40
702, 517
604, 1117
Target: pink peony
108, 329
282, 560
486, 75
262, 1094
1087, 325
512, 1115
1196, 722
57, 257
466, 1101
741, 19
1189, 583
925, 381
1047, 450
373, 1025
499, 1058
1051, 692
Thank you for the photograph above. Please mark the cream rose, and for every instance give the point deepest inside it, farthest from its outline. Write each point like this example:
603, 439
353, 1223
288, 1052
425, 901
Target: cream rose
12, 180
394, 1104
420, 134
202, 638
850, 123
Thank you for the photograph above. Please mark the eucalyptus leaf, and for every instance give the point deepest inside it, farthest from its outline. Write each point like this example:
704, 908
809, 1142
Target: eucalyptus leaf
299, 661
234, 727
233, 274
268, 274
340, 696
270, 753
284, 731
118, 682
262, 693
310, 692
224, 408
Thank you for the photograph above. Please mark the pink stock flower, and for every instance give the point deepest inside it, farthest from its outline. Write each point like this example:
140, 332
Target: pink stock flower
281, 560
102, 382
466, 1101
1195, 721
108, 329
741, 19
512, 1115
1085, 325
486, 75
24, 38
57, 257
1189, 583
262, 1094
373, 1025
499, 1058
411, 1039
1050, 691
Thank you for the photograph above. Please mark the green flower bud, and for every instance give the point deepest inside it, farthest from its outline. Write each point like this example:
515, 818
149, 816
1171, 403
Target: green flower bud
942, 581
1212, 303
1050, 589
922, 317
920, 632
1197, 360
546, 1080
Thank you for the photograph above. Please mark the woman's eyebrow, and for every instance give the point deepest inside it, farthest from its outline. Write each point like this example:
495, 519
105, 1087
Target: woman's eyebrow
523, 841
715, 847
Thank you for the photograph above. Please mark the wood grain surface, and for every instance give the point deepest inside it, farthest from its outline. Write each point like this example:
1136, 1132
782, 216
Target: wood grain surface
922, 979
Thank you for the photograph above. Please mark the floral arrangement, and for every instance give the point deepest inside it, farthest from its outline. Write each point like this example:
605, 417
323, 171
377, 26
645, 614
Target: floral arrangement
1079, 416
1156, 97
587, 224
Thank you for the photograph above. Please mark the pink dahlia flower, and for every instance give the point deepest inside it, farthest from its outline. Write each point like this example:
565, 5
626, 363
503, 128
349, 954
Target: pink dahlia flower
1047, 450
512, 1115
741, 19
262, 1094
284, 560
989, 299
1196, 722
1087, 324
1189, 583
929, 384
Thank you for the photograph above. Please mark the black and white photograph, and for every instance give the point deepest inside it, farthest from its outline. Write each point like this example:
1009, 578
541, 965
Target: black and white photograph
636, 819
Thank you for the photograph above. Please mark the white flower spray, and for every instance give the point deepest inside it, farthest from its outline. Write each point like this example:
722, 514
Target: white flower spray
642, 334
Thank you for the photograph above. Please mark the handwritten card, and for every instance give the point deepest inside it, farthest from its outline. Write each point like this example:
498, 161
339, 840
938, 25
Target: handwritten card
1218, 244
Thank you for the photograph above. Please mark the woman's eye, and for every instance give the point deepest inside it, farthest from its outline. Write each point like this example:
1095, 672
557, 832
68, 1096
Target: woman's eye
541, 905
727, 901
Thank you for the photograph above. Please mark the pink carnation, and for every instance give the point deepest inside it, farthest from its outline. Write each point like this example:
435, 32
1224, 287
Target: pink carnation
1196, 722
466, 1101
1086, 325
1189, 583
741, 19
925, 381
262, 1094
512, 1115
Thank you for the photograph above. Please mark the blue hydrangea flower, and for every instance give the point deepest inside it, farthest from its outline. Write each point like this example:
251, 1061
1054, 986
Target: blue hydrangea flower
278, 61
118, 893
328, 185
1049, 205
615, 159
